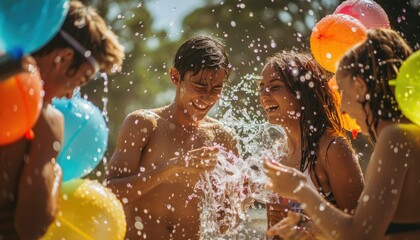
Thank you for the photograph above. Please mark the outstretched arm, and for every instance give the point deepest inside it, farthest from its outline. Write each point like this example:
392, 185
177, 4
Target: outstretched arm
377, 203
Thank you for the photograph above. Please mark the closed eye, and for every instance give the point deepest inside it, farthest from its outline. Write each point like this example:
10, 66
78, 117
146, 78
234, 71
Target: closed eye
218, 90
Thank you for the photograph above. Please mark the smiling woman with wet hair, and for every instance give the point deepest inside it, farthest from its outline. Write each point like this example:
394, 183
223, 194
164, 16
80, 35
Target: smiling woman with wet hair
295, 95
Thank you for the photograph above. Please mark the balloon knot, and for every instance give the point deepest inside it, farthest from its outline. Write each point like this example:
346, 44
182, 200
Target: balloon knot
354, 133
30, 134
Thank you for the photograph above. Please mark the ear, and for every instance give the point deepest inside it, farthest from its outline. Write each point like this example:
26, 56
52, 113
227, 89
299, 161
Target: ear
175, 76
361, 89
64, 58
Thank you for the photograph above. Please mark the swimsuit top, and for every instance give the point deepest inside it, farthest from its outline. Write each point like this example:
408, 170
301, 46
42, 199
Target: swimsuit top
329, 196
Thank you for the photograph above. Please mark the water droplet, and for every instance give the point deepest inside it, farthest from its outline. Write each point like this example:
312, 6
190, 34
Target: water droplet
56, 146
365, 198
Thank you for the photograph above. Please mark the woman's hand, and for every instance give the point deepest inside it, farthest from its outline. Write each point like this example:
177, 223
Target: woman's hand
291, 228
285, 181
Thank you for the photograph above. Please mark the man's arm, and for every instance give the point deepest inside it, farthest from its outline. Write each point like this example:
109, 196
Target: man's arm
124, 177
39, 183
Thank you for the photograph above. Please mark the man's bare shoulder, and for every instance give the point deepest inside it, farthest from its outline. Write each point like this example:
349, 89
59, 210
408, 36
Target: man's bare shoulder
142, 118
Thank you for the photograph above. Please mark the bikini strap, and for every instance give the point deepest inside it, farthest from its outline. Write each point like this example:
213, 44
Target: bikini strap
326, 156
329, 145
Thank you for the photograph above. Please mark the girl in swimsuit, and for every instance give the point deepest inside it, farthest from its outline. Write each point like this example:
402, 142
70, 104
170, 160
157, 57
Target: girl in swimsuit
295, 94
388, 206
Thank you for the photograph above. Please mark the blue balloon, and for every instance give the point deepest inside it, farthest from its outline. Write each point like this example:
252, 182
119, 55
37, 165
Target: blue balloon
85, 137
30, 24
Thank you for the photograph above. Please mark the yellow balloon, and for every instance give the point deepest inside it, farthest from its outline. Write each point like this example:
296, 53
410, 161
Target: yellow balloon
88, 211
407, 87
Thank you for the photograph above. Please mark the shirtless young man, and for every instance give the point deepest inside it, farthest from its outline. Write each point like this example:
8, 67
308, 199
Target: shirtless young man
161, 152
29, 176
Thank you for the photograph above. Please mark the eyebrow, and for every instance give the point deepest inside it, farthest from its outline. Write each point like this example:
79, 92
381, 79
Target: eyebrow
80, 49
272, 80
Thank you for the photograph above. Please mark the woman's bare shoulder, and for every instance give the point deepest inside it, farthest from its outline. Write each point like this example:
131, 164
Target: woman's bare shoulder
399, 135
332, 144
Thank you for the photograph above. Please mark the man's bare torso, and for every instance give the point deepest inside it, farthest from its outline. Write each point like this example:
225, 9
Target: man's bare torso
170, 211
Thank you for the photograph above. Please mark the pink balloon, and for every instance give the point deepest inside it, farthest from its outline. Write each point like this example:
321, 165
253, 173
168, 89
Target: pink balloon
368, 12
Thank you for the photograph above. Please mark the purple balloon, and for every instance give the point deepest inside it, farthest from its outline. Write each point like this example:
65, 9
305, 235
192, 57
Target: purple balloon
368, 12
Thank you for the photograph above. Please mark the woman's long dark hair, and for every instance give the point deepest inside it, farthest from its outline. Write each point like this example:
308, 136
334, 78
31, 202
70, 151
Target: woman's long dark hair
376, 61
307, 82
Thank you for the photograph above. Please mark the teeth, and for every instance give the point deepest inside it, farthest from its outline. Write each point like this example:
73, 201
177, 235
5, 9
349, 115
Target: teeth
271, 107
202, 107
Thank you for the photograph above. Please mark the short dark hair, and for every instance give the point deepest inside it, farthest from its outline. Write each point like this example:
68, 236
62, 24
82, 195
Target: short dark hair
201, 53
376, 61
85, 25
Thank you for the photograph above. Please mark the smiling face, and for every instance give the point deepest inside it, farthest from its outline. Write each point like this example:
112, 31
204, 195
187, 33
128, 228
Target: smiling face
74, 79
59, 78
197, 94
278, 103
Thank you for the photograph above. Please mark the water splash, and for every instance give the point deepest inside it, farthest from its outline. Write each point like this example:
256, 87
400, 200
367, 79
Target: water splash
226, 192
229, 189
104, 76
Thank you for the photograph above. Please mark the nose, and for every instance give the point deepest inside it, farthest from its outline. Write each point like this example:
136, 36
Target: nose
209, 98
69, 94
264, 93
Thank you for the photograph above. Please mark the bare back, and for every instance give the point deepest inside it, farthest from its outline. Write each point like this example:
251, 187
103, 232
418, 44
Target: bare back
25, 193
11, 164
404, 141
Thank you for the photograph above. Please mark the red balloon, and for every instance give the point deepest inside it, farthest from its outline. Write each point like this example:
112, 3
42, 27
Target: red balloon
368, 12
20, 105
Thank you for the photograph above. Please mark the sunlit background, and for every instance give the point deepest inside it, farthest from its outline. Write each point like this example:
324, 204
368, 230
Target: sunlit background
151, 32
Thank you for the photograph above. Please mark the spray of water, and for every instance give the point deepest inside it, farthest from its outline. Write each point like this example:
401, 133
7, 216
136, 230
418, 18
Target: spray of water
229, 189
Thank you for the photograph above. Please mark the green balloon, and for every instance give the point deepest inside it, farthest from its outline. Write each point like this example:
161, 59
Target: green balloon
407, 88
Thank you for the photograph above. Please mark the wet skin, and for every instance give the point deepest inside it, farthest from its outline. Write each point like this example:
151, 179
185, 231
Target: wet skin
337, 167
149, 170
391, 193
30, 176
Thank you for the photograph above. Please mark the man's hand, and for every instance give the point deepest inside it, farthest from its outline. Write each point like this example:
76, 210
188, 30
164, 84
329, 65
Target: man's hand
197, 160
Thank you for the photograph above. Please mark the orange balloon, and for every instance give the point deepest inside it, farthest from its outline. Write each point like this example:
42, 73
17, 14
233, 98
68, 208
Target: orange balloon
333, 36
20, 105
347, 122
